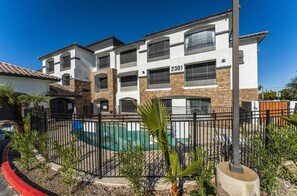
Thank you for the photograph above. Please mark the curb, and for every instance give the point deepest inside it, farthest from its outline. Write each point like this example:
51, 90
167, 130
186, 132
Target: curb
16, 182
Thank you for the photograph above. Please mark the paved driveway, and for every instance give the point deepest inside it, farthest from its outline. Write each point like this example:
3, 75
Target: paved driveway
5, 188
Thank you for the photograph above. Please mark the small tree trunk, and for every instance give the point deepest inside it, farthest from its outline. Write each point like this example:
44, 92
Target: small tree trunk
174, 188
19, 125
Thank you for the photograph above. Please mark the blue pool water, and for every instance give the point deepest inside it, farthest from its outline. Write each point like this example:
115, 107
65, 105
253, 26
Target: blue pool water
117, 137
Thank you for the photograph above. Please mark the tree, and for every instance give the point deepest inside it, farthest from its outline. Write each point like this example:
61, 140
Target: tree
17, 101
155, 116
292, 89
268, 95
34, 98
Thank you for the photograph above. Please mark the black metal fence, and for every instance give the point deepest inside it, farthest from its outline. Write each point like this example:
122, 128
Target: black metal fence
101, 137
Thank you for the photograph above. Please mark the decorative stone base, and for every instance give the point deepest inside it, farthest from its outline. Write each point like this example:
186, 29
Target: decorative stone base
235, 184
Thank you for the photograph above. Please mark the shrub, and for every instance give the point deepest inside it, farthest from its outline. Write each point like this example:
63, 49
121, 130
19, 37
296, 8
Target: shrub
70, 156
44, 165
268, 159
132, 167
205, 173
24, 142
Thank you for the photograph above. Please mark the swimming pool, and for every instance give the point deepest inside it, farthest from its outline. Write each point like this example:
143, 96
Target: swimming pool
117, 137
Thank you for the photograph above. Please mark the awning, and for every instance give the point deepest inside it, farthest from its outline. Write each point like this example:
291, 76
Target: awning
130, 73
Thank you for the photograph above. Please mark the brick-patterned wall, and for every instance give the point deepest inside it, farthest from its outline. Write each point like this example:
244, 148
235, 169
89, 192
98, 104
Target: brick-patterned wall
110, 94
84, 89
221, 96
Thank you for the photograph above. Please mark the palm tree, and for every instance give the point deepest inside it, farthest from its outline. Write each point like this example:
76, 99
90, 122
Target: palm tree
176, 171
292, 88
34, 98
155, 116
17, 101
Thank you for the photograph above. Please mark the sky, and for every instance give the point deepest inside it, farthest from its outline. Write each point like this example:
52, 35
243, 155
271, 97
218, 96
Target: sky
32, 28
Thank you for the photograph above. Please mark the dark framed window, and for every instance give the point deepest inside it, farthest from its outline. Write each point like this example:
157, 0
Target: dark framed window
158, 50
101, 83
104, 106
168, 104
201, 74
159, 78
200, 41
66, 79
127, 105
128, 56
128, 81
200, 106
66, 62
50, 66
104, 62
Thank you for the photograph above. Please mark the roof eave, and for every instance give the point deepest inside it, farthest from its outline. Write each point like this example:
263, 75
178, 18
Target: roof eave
64, 49
197, 21
31, 77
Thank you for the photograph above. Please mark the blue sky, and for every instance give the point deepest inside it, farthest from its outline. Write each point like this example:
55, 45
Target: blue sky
29, 29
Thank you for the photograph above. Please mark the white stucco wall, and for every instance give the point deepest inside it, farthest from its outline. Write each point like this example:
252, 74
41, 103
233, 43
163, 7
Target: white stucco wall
27, 85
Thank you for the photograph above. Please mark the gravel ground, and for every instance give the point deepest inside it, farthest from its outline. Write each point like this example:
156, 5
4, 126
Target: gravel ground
53, 184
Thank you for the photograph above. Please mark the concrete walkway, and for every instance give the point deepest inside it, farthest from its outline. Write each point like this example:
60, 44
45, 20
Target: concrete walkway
5, 188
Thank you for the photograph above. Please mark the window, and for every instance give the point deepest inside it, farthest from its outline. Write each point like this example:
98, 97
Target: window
168, 104
128, 105
104, 62
201, 74
159, 78
128, 56
50, 66
101, 83
200, 41
200, 106
66, 79
104, 106
158, 50
65, 62
241, 57
128, 81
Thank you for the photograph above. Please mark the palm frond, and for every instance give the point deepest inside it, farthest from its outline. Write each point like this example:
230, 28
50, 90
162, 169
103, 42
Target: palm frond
191, 169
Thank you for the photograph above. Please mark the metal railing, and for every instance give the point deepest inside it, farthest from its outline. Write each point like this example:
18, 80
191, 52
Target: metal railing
101, 137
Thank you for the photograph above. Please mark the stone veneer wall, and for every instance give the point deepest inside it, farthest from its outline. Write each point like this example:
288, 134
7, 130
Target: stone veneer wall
110, 94
221, 96
84, 89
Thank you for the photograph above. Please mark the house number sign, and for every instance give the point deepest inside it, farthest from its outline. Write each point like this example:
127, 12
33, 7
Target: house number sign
176, 68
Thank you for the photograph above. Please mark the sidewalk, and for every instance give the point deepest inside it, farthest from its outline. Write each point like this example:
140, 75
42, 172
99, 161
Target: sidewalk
5, 188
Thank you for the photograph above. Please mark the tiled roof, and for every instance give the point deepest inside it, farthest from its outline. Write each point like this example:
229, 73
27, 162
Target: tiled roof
17, 71
58, 90
191, 22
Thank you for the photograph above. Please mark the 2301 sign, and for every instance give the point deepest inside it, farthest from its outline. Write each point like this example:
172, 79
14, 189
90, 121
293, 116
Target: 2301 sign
177, 68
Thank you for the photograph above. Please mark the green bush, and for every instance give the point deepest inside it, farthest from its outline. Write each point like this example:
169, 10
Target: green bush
43, 148
268, 159
71, 157
132, 167
204, 175
24, 142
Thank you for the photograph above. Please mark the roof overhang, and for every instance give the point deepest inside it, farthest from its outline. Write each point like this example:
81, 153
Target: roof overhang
69, 47
130, 73
193, 22
258, 36
53, 79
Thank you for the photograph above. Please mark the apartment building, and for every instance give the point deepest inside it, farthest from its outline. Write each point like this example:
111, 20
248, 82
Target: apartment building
187, 66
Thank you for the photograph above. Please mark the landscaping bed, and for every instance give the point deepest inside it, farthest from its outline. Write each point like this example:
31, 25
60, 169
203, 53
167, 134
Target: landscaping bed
52, 185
